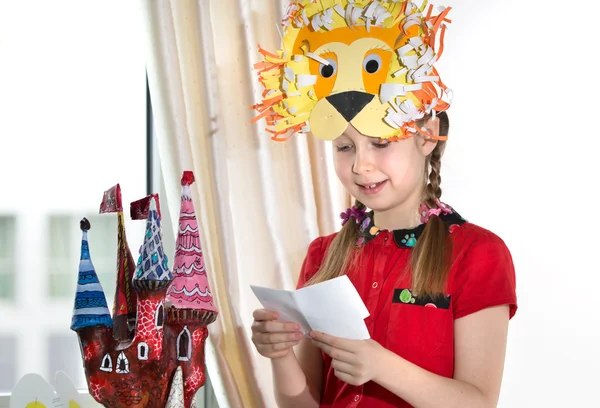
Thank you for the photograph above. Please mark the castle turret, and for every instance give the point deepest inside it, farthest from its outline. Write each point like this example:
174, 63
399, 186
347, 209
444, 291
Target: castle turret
191, 307
152, 270
152, 277
189, 294
90, 308
124, 307
91, 319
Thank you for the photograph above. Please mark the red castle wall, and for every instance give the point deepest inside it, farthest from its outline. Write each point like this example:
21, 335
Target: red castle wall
148, 382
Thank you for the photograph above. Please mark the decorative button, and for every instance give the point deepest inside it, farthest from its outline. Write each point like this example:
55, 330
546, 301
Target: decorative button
374, 285
356, 398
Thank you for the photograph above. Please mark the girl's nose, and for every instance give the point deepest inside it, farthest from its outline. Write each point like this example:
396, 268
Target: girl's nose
362, 163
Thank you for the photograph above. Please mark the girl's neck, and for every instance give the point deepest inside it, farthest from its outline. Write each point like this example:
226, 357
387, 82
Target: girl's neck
403, 216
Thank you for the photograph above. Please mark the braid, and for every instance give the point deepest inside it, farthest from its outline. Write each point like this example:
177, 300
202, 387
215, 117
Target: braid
341, 254
431, 255
433, 191
359, 205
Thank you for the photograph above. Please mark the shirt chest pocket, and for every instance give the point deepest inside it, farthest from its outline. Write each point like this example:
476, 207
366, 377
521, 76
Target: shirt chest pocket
420, 330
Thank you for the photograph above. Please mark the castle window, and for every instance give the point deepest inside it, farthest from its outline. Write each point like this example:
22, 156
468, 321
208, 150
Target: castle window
160, 317
184, 345
106, 365
143, 351
122, 364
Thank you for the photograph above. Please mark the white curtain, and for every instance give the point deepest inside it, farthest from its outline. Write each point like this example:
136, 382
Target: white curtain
259, 202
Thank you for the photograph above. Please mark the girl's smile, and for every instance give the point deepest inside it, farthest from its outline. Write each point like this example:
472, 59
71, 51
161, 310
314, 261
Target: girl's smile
372, 188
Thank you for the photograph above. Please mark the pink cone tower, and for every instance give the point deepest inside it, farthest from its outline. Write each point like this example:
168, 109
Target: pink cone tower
189, 293
189, 301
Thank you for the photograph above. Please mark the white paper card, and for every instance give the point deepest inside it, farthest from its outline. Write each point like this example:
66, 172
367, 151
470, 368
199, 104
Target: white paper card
333, 307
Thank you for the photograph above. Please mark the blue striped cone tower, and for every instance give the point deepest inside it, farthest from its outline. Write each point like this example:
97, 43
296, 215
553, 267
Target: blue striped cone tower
90, 308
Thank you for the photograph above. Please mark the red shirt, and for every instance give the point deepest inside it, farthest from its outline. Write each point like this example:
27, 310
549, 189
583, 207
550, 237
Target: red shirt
481, 275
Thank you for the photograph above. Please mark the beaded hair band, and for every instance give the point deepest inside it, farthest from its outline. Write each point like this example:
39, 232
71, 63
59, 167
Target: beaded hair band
353, 212
426, 212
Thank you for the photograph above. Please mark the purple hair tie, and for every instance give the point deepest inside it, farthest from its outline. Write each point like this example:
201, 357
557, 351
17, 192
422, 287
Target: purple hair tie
357, 214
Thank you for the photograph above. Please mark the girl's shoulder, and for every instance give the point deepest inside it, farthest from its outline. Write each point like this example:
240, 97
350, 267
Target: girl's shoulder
317, 250
468, 236
482, 273
322, 243
314, 257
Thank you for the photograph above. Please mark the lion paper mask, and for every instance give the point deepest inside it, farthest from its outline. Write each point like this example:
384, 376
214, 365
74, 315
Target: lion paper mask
369, 63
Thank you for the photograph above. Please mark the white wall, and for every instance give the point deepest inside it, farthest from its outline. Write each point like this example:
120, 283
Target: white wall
522, 162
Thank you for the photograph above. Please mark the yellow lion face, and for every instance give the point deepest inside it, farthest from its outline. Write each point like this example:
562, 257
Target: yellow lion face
367, 63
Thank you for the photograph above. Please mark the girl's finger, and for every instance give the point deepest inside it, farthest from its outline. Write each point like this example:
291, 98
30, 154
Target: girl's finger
335, 353
347, 378
264, 315
343, 367
270, 350
273, 326
286, 345
274, 338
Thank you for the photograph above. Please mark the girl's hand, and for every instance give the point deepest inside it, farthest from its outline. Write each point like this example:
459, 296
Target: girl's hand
354, 361
271, 338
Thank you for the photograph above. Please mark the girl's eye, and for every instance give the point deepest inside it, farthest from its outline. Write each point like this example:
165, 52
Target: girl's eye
343, 148
382, 144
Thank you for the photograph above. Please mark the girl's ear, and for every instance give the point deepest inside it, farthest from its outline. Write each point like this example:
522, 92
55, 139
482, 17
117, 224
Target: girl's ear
425, 145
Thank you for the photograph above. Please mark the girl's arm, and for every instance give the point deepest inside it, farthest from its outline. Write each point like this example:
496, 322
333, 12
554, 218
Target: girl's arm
480, 344
298, 377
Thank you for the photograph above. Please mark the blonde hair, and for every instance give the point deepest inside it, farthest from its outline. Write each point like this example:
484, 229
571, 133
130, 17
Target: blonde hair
430, 259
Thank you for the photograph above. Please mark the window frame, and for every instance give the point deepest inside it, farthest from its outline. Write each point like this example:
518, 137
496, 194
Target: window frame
10, 260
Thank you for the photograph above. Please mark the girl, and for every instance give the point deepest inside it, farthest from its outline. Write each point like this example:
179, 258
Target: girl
440, 290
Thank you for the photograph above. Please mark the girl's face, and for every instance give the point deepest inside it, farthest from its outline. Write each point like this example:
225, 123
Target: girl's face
382, 175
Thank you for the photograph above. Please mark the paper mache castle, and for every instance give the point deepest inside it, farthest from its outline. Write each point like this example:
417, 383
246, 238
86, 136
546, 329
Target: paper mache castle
150, 353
